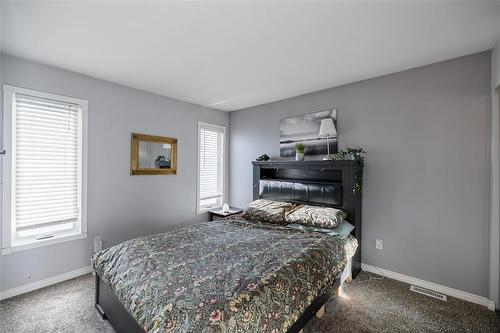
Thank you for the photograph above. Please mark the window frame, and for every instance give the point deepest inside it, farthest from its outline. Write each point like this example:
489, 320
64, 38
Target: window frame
201, 124
9, 244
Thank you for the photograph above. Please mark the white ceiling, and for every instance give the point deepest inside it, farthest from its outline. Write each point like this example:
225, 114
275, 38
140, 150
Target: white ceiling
233, 55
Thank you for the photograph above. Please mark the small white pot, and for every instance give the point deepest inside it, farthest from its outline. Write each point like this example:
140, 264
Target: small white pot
299, 156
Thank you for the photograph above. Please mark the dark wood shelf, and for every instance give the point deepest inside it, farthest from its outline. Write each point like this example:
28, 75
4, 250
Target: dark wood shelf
214, 213
307, 163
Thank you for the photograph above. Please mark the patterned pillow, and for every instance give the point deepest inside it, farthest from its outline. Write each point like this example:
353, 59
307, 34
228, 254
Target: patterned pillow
321, 217
268, 211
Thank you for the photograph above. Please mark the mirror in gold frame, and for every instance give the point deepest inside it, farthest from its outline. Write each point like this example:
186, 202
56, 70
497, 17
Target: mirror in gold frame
153, 155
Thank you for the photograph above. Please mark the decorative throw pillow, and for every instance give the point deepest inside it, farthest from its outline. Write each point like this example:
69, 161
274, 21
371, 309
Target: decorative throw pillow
316, 216
341, 232
268, 211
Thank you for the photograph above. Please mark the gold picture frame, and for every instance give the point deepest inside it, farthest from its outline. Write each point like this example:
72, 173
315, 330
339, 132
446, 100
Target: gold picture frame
145, 147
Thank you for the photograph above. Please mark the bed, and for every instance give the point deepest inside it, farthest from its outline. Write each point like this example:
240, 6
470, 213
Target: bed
235, 275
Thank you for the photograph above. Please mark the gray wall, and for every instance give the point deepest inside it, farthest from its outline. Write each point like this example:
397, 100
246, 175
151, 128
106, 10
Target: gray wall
120, 206
426, 194
496, 65
495, 175
1, 164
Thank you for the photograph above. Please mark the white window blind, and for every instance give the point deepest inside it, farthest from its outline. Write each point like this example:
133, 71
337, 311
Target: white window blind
47, 143
211, 166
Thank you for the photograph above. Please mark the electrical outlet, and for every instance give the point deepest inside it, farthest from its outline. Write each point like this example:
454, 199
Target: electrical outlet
379, 245
97, 244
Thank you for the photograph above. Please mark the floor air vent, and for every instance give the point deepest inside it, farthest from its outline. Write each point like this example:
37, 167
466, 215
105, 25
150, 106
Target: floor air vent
428, 292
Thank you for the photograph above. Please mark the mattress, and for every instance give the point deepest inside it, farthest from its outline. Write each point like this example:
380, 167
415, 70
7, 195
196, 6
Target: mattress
227, 275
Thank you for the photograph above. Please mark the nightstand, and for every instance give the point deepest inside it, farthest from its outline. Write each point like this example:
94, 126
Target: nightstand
217, 213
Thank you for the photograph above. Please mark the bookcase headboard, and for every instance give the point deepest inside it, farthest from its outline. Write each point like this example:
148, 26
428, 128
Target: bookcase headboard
323, 183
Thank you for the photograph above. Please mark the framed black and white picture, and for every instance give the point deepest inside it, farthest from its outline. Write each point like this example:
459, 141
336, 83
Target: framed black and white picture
305, 129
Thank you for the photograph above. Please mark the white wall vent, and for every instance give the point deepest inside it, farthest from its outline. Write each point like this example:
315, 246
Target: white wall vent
428, 292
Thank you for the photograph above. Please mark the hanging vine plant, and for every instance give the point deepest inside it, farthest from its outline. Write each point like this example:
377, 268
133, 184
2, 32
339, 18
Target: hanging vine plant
357, 155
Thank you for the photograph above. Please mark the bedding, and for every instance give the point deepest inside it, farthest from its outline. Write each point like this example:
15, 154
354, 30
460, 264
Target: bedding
341, 232
229, 275
316, 216
268, 211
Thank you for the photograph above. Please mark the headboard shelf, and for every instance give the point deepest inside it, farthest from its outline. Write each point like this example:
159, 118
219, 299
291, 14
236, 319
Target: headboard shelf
303, 170
316, 182
303, 164
299, 180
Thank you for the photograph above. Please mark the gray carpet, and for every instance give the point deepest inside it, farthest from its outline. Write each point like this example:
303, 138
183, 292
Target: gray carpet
383, 306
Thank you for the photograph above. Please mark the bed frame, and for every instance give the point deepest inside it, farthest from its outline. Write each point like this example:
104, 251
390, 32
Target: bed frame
325, 183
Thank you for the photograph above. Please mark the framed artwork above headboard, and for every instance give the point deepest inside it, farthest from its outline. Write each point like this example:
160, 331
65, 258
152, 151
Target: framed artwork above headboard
323, 183
305, 129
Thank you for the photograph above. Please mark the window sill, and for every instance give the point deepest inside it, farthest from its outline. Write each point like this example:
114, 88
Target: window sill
43, 242
200, 211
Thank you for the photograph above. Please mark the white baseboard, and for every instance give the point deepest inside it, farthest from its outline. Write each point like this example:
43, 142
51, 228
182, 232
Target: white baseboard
44, 283
466, 296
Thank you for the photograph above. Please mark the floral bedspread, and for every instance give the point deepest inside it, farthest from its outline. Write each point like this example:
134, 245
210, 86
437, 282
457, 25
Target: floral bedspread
230, 275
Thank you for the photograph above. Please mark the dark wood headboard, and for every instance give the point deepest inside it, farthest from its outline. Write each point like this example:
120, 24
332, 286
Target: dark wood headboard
324, 183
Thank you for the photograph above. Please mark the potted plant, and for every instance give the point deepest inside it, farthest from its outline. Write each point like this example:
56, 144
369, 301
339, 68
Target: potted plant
358, 156
299, 151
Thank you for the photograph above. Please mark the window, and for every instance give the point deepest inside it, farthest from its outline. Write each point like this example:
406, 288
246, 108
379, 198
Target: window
211, 156
44, 170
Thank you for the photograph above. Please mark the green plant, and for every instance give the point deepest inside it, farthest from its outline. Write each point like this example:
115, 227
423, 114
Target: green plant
299, 147
263, 157
357, 155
